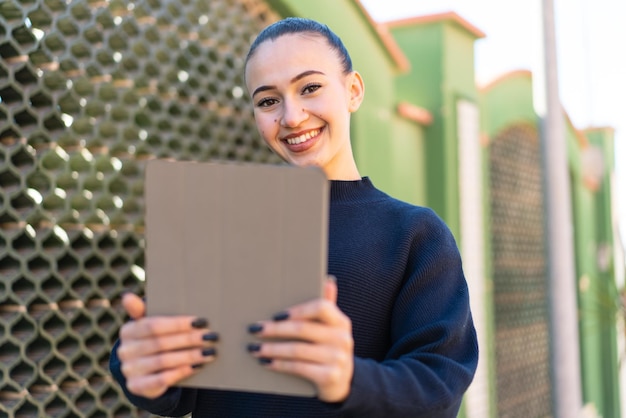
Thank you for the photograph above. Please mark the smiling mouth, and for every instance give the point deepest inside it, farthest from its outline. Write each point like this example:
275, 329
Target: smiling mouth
304, 137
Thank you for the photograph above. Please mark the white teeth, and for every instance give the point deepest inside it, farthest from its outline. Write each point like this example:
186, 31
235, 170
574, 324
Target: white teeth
302, 138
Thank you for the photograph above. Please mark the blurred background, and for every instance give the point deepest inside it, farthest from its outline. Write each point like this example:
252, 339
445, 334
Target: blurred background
589, 62
92, 90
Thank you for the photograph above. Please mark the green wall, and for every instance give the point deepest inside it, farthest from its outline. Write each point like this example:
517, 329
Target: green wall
506, 102
424, 86
408, 170
441, 54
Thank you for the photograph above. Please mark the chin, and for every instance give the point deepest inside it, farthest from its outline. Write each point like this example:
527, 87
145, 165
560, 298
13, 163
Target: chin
304, 163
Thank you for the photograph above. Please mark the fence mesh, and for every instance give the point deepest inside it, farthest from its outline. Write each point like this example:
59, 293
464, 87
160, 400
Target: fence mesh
89, 91
520, 277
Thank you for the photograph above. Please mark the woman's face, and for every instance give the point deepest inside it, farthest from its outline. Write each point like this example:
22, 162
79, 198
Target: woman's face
302, 102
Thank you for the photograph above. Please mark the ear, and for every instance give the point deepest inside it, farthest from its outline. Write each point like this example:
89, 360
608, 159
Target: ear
356, 89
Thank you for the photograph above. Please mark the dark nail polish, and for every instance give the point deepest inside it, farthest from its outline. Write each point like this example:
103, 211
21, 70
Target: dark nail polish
199, 323
209, 352
254, 328
211, 336
254, 347
281, 316
265, 361
197, 366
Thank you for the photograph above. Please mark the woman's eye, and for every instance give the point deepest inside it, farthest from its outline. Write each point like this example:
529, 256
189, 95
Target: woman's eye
266, 102
310, 88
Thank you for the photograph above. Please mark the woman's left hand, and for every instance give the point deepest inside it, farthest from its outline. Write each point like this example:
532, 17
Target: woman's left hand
319, 347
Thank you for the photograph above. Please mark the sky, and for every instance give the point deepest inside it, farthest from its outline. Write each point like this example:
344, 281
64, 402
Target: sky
590, 54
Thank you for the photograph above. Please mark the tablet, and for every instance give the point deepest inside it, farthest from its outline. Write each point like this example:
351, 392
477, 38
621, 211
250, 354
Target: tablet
235, 243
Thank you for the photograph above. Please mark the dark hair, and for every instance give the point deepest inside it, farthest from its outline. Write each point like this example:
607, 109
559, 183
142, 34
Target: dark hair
293, 25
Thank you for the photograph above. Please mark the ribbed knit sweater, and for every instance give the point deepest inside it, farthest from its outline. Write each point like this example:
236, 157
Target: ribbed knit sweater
401, 283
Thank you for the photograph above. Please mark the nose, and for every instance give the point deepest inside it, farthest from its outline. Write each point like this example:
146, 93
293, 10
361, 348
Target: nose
293, 114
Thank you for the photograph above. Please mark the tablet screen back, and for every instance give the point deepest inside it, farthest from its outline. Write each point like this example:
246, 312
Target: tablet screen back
235, 243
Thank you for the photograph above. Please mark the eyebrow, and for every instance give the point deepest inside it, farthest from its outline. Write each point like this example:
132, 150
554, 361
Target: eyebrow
293, 80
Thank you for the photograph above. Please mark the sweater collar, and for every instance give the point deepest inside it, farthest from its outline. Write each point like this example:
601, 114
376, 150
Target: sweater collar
351, 190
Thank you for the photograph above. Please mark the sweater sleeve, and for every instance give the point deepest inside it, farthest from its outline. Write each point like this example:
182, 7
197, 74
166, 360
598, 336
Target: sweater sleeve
434, 351
175, 402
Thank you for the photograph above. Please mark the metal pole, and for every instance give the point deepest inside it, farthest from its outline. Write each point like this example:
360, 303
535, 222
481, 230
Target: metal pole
567, 393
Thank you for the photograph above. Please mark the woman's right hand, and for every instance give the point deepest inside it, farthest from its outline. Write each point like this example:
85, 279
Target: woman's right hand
158, 352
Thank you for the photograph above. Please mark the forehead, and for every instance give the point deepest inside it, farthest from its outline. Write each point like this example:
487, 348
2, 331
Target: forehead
291, 54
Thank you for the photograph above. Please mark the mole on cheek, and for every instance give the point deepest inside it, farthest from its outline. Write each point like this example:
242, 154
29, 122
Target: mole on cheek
275, 120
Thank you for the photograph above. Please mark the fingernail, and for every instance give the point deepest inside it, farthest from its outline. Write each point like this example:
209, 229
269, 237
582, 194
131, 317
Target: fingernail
199, 323
254, 347
281, 316
197, 366
254, 328
211, 336
209, 352
265, 360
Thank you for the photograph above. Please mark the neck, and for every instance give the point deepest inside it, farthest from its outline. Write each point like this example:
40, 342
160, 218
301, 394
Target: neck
343, 168
348, 173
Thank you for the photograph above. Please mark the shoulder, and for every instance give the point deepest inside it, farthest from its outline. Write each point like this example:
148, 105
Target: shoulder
422, 218
422, 226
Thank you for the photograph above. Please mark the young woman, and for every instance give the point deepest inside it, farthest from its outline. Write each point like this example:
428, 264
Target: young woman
392, 337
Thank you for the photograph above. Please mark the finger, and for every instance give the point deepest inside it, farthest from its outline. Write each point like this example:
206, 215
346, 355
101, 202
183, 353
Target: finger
330, 289
153, 364
311, 331
300, 351
160, 325
321, 310
152, 386
130, 349
134, 305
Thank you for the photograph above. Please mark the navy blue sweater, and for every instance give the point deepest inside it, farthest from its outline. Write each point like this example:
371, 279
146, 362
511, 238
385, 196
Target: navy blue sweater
401, 283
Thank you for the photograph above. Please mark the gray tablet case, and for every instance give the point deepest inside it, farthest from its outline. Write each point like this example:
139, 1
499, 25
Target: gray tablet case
235, 243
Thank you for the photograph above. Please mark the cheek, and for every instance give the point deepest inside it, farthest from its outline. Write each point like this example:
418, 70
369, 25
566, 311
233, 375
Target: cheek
264, 126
